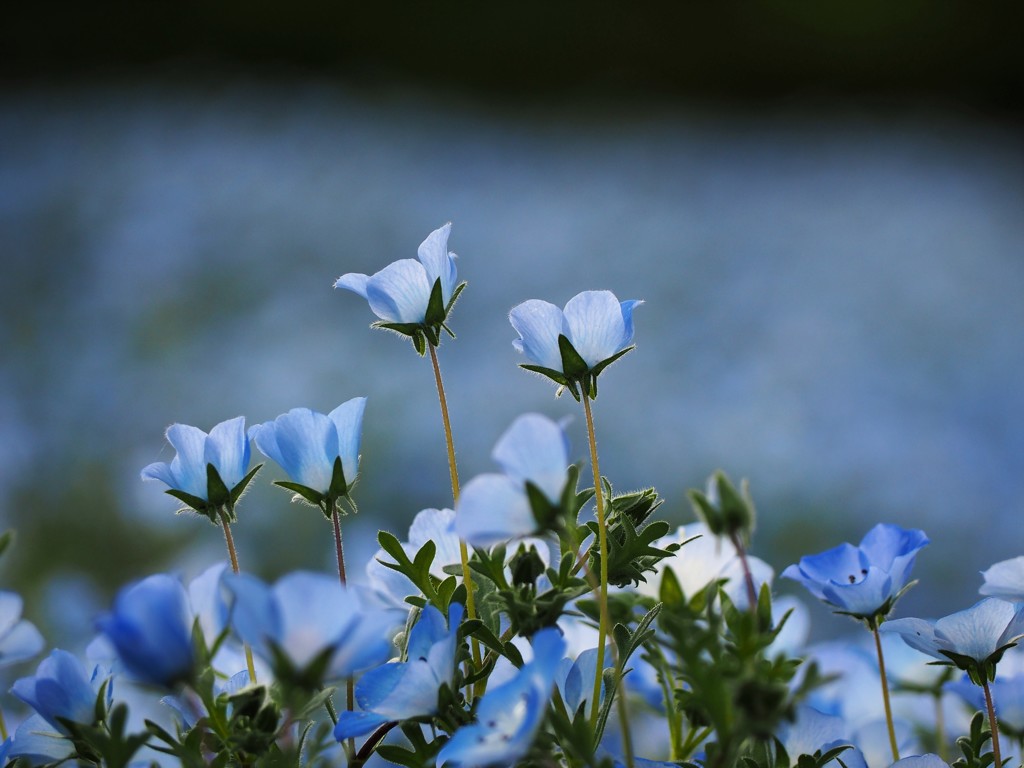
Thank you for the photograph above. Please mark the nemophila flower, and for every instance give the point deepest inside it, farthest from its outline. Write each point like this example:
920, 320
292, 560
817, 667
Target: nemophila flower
60, 691
402, 690
973, 640
412, 296
37, 742
814, 732
572, 346
1005, 579
19, 638
576, 678
319, 452
1007, 691
308, 626
151, 630
509, 715
210, 471
863, 581
528, 497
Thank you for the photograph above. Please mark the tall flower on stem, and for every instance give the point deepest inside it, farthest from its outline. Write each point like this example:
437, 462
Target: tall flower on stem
413, 297
865, 582
973, 640
209, 474
572, 346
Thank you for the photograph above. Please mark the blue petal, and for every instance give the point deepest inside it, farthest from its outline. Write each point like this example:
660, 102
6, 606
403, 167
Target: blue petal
918, 634
885, 542
353, 281
254, 613
1005, 579
539, 325
227, 448
430, 628
265, 437
627, 319
306, 633
22, 641
979, 630
399, 690
10, 611
306, 441
535, 449
831, 566
59, 689
400, 292
437, 261
352, 724
188, 468
161, 471
493, 509
595, 325
863, 597
436, 525
36, 740
348, 423
207, 599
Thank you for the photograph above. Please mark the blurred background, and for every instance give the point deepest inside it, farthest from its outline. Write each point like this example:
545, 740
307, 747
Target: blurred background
822, 205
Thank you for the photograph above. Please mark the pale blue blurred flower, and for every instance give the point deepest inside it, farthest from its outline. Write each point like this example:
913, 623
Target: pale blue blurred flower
312, 622
392, 587
406, 689
150, 627
60, 689
19, 638
1005, 579
36, 741
493, 508
815, 731
307, 445
400, 293
862, 581
509, 716
921, 761
973, 639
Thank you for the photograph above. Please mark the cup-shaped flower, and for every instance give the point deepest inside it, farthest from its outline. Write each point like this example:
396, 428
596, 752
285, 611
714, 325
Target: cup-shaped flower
532, 493
308, 626
19, 638
412, 296
61, 691
151, 630
1005, 579
509, 715
973, 640
863, 581
572, 346
210, 471
319, 452
402, 690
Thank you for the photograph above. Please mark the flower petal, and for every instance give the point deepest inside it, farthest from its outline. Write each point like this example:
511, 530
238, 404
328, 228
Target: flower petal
539, 324
1005, 579
348, 424
306, 441
400, 292
227, 448
437, 261
493, 509
627, 319
188, 468
596, 326
353, 281
535, 449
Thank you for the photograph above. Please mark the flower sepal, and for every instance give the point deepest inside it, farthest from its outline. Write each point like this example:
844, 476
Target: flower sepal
434, 321
220, 502
726, 511
325, 502
980, 672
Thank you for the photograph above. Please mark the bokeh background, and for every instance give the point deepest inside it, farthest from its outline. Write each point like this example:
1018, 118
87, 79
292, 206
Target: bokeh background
822, 205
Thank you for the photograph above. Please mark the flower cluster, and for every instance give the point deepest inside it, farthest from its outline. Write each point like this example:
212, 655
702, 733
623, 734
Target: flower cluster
537, 619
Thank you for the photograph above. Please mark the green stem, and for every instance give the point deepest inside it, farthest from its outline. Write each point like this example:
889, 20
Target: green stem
993, 723
453, 472
873, 626
3, 726
229, 540
604, 621
940, 727
350, 696
748, 577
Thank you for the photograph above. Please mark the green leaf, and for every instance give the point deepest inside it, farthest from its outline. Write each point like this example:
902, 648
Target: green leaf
6, 539
670, 593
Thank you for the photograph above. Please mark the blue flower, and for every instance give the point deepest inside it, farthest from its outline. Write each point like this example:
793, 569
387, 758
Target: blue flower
510, 715
572, 346
863, 581
309, 626
410, 296
534, 452
407, 689
19, 639
320, 453
37, 742
209, 471
60, 691
973, 640
151, 630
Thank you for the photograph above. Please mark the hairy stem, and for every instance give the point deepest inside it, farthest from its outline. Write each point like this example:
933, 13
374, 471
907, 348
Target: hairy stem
350, 695
993, 723
885, 691
748, 577
229, 540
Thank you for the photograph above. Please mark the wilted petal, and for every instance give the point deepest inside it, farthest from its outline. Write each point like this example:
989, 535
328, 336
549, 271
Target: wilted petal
348, 424
400, 292
438, 263
493, 509
539, 325
595, 325
535, 449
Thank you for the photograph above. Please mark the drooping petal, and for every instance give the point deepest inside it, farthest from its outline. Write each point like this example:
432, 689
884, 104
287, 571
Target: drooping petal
227, 448
353, 281
627, 319
437, 261
348, 424
306, 443
535, 449
400, 292
595, 325
538, 324
188, 468
493, 509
